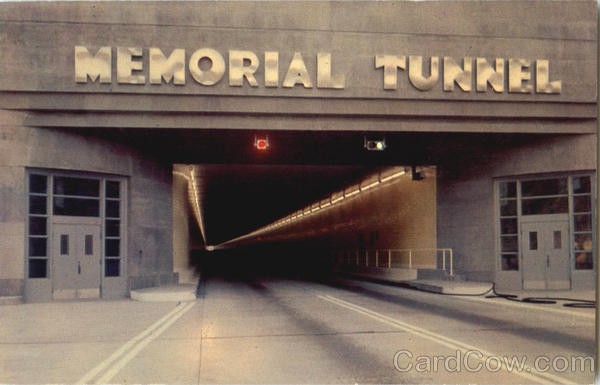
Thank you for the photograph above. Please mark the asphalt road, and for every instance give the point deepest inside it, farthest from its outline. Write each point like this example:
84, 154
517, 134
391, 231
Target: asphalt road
253, 331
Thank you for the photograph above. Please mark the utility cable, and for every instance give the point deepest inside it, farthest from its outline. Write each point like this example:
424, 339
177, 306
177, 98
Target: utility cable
569, 302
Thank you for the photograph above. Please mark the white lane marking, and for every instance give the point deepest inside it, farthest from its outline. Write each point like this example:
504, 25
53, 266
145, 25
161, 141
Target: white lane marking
528, 372
177, 312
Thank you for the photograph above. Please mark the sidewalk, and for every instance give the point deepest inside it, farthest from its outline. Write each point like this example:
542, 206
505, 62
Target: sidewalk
484, 288
170, 293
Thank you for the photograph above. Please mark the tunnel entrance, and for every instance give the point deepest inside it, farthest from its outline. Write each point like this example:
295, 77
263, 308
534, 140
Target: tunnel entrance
272, 214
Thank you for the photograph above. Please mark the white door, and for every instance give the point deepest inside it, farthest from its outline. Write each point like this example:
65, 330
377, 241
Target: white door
546, 255
76, 261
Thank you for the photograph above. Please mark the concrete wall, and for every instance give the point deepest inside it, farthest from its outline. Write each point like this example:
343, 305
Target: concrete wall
38, 63
466, 197
149, 204
181, 230
400, 214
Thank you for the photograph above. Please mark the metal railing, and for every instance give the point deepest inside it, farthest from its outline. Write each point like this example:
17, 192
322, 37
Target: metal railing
399, 258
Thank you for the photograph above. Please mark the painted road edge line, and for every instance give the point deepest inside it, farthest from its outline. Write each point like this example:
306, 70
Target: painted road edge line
128, 345
529, 373
120, 364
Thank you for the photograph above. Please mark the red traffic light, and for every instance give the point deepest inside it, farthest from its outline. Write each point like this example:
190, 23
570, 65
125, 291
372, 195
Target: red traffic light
261, 143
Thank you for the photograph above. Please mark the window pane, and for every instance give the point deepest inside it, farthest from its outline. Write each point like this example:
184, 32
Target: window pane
583, 222
112, 189
557, 240
38, 184
112, 209
582, 204
37, 268
510, 262
508, 226
113, 228
583, 242
89, 244
37, 204
508, 189
77, 207
582, 185
37, 226
508, 208
584, 261
76, 186
37, 247
545, 206
64, 244
509, 243
533, 240
544, 187
112, 267
112, 247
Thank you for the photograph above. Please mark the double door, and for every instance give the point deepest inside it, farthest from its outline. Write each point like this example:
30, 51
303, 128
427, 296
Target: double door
546, 255
76, 260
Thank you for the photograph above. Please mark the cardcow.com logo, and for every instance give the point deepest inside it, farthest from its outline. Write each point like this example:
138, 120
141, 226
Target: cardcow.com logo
475, 361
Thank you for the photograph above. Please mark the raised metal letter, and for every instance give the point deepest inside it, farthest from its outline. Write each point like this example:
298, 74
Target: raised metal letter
169, 69
543, 85
415, 72
519, 76
271, 69
390, 64
454, 73
212, 75
126, 65
237, 69
487, 75
297, 73
98, 66
324, 78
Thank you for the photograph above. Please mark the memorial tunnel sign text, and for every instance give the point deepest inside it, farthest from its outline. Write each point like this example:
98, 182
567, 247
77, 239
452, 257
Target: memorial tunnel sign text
207, 67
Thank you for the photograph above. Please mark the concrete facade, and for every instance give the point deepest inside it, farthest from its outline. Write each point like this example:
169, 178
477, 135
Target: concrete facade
467, 201
303, 66
149, 187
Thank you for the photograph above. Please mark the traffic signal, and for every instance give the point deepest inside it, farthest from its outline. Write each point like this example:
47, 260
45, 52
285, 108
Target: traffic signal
261, 142
375, 144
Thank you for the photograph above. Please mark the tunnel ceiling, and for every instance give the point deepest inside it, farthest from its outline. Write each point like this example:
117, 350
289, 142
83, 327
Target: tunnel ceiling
242, 189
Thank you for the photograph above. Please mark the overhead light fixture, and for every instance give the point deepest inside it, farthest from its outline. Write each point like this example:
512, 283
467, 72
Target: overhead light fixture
261, 142
374, 144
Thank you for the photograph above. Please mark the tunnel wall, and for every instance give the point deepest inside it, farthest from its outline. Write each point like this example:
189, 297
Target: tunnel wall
181, 229
466, 207
148, 257
400, 214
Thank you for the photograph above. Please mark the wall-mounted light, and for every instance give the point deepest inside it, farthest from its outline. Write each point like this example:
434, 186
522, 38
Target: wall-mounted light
372, 144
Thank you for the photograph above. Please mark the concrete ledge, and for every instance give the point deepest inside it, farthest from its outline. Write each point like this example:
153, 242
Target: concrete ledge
12, 300
170, 293
451, 287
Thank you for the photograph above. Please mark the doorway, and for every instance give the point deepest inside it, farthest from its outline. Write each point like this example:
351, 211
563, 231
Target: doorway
77, 260
546, 256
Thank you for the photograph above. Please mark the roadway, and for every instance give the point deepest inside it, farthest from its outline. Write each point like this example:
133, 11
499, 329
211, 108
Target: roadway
259, 330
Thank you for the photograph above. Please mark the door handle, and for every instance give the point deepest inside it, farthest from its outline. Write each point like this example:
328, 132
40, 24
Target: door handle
78, 267
547, 261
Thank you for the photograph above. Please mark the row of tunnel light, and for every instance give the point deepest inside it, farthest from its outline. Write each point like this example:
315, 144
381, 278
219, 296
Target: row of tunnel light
335, 198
